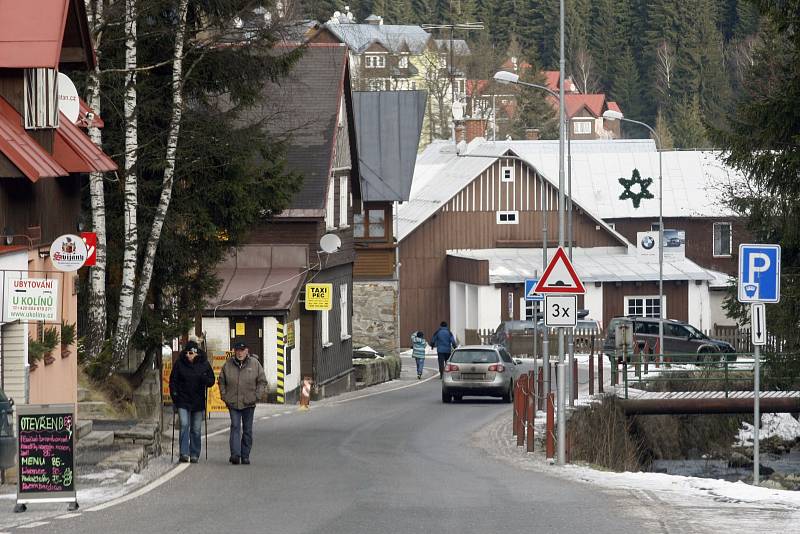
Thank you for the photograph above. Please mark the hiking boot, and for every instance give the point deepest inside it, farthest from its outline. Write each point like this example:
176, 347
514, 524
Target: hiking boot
419, 375
234, 460
183, 459
246, 461
193, 459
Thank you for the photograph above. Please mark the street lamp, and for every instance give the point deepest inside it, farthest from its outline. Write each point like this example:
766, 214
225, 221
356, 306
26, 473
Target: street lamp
617, 116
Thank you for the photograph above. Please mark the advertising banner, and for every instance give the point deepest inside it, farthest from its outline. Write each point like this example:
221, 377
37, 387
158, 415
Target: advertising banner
31, 299
214, 402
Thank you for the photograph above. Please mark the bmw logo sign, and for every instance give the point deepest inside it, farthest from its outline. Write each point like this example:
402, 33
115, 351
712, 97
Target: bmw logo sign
648, 242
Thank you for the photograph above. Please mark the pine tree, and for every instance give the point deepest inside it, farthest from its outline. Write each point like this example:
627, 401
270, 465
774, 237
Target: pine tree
663, 132
603, 40
626, 88
687, 125
534, 108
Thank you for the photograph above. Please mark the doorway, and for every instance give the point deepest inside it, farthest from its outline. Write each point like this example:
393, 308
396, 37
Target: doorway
249, 330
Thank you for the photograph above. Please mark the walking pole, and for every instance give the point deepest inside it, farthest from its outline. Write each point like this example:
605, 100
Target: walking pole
205, 418
172, 452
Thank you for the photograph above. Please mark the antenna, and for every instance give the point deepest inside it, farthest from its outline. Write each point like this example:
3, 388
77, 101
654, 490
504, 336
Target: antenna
330, 243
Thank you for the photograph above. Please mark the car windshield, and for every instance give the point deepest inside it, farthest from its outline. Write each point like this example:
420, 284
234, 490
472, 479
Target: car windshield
474, 356
695, 332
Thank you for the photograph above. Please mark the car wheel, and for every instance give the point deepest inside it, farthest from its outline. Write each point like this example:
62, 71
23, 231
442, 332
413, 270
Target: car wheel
458, 398
708, 356
508, 396
446, 397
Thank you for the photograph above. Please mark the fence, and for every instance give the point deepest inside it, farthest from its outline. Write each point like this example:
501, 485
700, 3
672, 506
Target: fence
521, 344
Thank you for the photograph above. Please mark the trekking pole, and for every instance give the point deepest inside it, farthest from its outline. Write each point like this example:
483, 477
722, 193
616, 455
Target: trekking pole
172, 451
205, 418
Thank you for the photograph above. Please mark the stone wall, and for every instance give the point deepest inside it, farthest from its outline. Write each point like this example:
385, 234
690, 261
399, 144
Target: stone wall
375, 315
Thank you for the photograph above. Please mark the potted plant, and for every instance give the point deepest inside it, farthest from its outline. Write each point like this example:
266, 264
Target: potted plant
67, 338
50, 340
36, 351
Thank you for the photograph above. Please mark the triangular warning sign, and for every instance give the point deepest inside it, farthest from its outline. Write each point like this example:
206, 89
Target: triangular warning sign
560, 276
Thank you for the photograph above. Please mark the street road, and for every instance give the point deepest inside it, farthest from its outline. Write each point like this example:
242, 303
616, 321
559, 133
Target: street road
392, 459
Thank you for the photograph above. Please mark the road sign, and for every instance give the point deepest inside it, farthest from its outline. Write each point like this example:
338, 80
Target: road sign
758, 323
561, 310
759, 273
560, 276
319, 297
530, 294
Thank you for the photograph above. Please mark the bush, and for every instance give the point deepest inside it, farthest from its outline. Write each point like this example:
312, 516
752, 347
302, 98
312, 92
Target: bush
601, 434
67, 333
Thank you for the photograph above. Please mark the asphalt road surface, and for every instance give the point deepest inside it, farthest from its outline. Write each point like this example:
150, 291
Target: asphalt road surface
392, 459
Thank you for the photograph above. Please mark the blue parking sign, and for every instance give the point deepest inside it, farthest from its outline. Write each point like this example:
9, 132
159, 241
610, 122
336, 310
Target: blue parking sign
759, 273
530, 295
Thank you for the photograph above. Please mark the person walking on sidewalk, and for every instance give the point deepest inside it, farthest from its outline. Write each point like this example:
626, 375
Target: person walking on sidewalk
418, 345
241, 383
444, 343
190, 377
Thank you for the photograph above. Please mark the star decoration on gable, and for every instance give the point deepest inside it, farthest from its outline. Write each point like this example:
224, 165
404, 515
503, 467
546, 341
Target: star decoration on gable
635, 188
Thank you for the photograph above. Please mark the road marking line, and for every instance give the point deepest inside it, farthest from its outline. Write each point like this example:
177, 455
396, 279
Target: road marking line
36, 524
141, 491
436, 376
67, 516
276, 415
218, 432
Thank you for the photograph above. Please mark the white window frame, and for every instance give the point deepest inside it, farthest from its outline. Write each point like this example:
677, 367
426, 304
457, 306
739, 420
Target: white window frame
375, 61
343, 205
376, 84
507, 173
714, 240
324, 323
581, 127
343, 291
511, 217
613, 226
402, 63
330, 211
644, 306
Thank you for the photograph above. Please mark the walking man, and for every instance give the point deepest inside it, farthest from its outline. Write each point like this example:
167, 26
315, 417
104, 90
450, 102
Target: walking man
444, 343
241, 383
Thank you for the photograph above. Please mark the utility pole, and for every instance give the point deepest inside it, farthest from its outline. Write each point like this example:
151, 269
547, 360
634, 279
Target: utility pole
560, 374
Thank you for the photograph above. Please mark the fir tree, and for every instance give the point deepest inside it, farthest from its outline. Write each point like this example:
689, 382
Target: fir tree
626, 88
687, 125
663, 132
534, 108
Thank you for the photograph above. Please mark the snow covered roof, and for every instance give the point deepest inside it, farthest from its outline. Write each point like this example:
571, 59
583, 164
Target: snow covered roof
359, 37
694, 181
596, 264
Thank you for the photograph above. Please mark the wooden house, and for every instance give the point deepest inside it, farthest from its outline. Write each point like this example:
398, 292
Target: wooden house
263, 282
44, 158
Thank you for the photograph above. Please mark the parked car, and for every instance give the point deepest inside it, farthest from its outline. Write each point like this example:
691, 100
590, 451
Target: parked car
508, 329
679, 338
479, 370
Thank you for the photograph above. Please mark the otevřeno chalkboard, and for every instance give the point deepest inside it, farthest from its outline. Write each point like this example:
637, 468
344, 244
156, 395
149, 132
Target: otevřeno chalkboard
46, 468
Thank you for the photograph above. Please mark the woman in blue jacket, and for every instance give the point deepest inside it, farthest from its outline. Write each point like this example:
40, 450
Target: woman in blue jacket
418, 345
444, 342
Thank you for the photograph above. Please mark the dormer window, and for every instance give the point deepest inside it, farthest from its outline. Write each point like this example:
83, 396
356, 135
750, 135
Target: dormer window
403, 62
41, 98
582, 127
375, 61
507, 174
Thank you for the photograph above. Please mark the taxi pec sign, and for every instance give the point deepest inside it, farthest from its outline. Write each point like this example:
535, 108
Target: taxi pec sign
319, 297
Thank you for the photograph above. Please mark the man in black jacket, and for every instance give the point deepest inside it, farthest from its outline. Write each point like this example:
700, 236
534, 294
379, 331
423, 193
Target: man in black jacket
190, 377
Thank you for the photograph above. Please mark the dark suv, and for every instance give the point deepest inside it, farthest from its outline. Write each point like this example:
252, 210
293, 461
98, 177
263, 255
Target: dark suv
679, 338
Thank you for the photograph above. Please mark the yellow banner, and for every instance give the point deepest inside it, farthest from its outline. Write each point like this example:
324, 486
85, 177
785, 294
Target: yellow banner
319, 297
214, 401
166, 370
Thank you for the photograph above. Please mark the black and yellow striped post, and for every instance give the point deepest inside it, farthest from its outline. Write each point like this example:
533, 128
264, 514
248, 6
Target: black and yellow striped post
281, 364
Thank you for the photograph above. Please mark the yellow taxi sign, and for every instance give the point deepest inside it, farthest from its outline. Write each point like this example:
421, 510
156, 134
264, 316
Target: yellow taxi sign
319, 297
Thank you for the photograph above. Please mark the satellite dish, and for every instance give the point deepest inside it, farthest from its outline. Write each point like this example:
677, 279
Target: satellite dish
458, 110
330, 243
68, 102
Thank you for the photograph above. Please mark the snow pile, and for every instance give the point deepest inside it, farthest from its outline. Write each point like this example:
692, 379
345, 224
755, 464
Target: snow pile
782, 425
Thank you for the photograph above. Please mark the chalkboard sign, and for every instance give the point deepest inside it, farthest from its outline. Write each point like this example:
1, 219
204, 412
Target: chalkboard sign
46, 467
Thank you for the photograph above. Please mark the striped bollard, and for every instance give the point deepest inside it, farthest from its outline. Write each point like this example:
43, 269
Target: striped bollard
281, 399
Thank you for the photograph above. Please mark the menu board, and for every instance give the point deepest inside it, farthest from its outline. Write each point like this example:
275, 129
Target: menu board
46, 434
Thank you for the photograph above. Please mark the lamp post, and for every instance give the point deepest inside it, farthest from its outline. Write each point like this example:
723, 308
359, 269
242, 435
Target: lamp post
617, 116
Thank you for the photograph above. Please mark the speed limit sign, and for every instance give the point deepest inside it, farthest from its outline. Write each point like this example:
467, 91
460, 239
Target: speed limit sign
561, 311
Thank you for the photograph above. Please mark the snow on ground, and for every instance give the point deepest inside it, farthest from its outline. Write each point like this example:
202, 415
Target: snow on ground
782, 425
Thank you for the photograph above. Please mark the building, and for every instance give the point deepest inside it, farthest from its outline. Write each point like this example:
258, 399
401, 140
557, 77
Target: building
472, 233
388, 126
264, 280
44, 158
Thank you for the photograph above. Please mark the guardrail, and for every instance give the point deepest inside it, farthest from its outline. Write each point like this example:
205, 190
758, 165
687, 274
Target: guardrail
521, 344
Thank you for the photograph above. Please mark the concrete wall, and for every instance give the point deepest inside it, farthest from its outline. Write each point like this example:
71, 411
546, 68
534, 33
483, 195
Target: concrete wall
593, 301
717, 315
488, 307
375, 316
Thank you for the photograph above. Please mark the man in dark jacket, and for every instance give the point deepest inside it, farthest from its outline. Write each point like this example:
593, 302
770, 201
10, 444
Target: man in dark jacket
190, 377
241, 383
444, 343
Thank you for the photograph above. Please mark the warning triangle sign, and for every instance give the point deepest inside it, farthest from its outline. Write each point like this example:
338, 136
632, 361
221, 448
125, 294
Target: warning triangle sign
560, 276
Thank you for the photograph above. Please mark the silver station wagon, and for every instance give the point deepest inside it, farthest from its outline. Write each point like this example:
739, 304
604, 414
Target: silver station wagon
479, 370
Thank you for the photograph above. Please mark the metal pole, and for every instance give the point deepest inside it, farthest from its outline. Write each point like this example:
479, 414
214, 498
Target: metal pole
571, 339
660, 259
756, 411
562, 433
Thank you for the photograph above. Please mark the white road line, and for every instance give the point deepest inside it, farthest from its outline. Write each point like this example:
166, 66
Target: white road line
436, 377
36, 524
67, 516
218, 432
277, 414
141, 491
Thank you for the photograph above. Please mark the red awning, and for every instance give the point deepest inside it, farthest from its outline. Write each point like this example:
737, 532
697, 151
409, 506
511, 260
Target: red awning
76, 152
26, 154
31, 32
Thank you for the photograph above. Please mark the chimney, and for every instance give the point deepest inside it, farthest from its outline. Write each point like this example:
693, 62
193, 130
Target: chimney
461, 133
475, 128
374, 20
532, 134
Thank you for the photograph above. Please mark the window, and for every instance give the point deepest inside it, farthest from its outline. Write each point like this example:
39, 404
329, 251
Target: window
654, 227
41, 98
403, 62
343, 204
324, 328
644, 306
723, 238
345, 333
376, 84
507, 217
370, 225
507, 174
330, 213
582, 127
443, 62
375, 61
613, 226
531, 307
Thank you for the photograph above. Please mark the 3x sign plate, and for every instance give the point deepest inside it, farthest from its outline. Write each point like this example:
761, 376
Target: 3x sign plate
561, 311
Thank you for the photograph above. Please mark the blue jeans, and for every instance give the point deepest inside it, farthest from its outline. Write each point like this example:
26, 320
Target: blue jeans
190, 436
420, 364
241, 439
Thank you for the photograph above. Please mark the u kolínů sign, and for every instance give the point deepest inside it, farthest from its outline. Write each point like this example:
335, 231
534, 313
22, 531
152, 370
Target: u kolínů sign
46, 453
31, 299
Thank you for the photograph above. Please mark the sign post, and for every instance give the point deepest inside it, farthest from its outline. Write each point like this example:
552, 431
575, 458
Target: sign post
46, 434
560, 278
759, 282
532, 296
